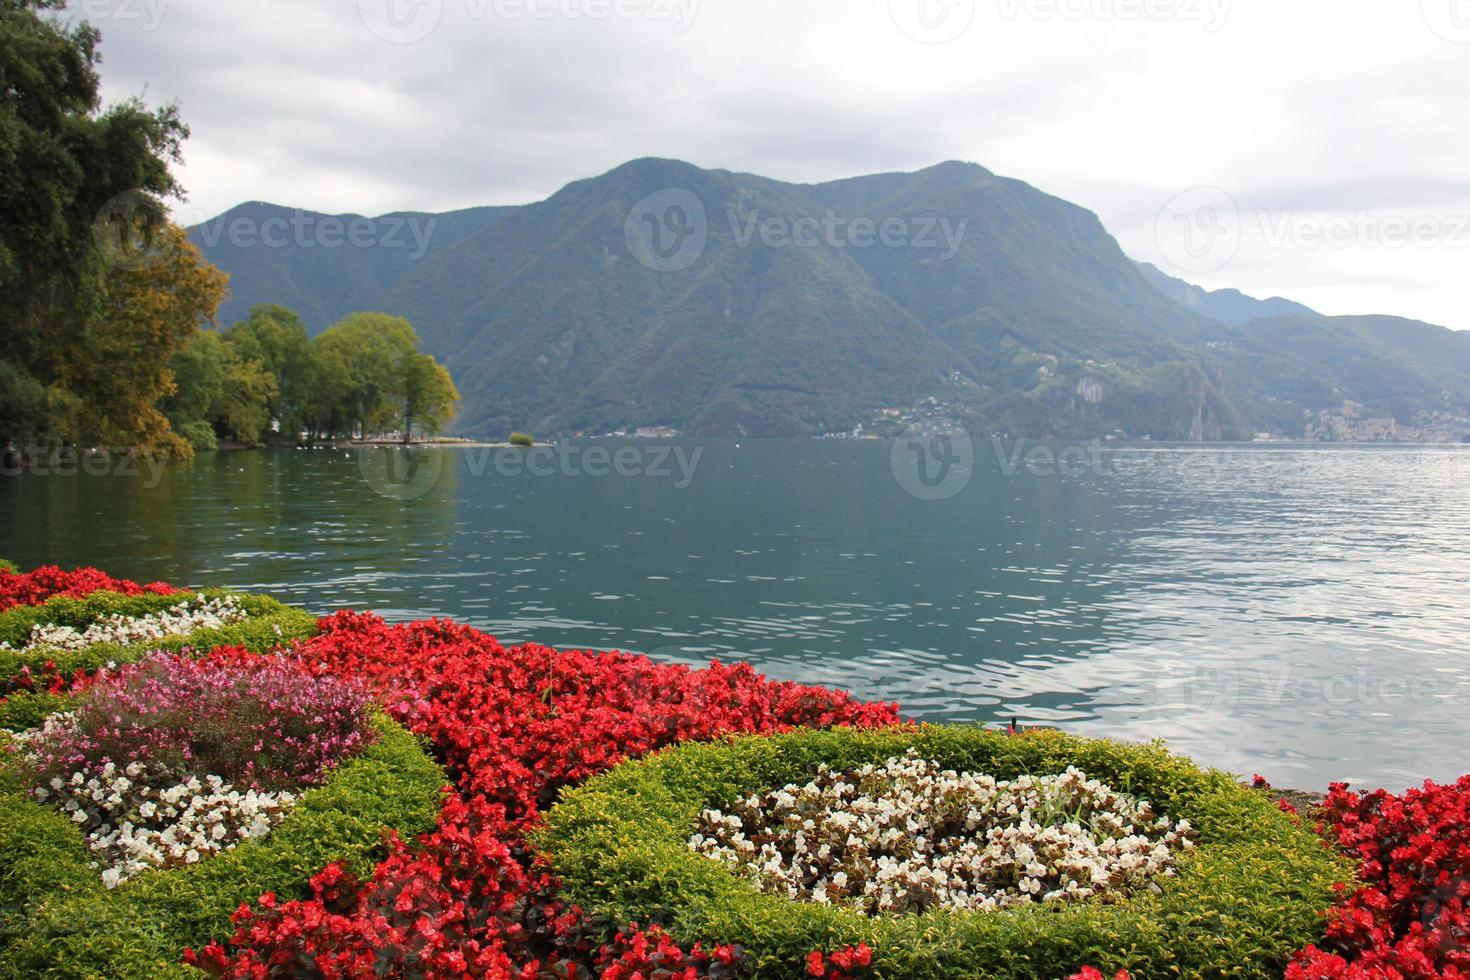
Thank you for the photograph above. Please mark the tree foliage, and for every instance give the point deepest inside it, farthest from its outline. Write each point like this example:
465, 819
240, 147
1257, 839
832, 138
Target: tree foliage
72, 177
275, 338
219, 392
263, 379
371, 377
102, 298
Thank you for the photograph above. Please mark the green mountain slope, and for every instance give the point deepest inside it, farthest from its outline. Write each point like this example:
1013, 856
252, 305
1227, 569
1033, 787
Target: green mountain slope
991, 302
549, 320
1396, 368
323, 266
1285, 360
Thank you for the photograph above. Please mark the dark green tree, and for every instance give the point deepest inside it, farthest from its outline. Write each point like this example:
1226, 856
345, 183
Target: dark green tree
80, 189
218, 391
371, 377
275, 337
428, 395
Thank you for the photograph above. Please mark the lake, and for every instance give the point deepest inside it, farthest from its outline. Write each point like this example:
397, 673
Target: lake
1294, 611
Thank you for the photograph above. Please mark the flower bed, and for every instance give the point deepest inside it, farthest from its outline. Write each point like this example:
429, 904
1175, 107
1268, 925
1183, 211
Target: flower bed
1411, 916
516, 727
36, 586
1248, 896
62, 916
257, 623
907, 836
172, 760
193, 614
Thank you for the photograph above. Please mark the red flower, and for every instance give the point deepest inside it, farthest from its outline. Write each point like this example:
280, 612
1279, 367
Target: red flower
1410, 917
36, 586
512, 726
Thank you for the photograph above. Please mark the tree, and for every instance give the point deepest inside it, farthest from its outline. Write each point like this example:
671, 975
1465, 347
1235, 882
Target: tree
70, 175
370, 347
121, 363
370, 376
428, 395
219, 392
275, 337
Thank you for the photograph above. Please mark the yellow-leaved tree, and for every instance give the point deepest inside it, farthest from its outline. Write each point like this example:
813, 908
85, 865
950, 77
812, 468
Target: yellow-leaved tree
121, 359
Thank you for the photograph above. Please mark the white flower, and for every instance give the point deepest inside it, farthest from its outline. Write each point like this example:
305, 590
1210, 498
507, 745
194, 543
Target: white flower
203, 817
907, 836
187, 617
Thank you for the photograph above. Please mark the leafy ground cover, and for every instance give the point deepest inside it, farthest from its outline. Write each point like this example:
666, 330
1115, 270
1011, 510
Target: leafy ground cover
1240, 901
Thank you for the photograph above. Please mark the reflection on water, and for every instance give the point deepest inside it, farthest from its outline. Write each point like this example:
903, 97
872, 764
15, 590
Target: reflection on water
1292, 611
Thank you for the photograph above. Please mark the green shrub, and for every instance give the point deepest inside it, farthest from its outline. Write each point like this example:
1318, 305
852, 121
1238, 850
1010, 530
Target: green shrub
61, 921
200, 435
521, 439
1244, 900
271, 622
8, 566
28, 709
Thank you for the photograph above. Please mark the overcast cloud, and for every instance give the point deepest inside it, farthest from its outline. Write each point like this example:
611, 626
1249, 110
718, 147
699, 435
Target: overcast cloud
1317, 149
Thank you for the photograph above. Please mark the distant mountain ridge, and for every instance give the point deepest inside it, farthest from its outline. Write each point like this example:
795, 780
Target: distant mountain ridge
1228, 306
566, 316
307, 260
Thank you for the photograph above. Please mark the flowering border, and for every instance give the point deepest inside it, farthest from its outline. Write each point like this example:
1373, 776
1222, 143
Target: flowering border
19, 588
61, 914
1248, 897
270, 623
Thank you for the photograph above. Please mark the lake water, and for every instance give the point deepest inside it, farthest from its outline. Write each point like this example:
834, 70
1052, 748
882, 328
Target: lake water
1294, 611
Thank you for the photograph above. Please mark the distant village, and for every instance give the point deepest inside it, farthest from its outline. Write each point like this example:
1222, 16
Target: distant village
1350, 423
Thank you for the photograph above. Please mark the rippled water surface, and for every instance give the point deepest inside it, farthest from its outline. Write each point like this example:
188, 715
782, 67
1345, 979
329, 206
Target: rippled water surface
1301, 612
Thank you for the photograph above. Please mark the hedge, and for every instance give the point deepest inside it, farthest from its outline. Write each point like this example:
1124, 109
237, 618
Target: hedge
271, 622
59, 920
28, 709
9, 566
1243, 901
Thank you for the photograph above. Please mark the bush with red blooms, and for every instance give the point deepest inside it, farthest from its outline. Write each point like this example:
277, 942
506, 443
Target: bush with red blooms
844, 964
1093, 973
50, 679
36, 586
1411, 918
512, 726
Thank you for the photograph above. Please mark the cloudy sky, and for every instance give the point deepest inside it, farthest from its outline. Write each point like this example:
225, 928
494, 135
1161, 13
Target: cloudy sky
1318, 149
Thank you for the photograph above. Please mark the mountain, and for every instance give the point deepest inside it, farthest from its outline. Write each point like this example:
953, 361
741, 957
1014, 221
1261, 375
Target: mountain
317, 263
1287, 360
1228, 306
722, 303
1393, 367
